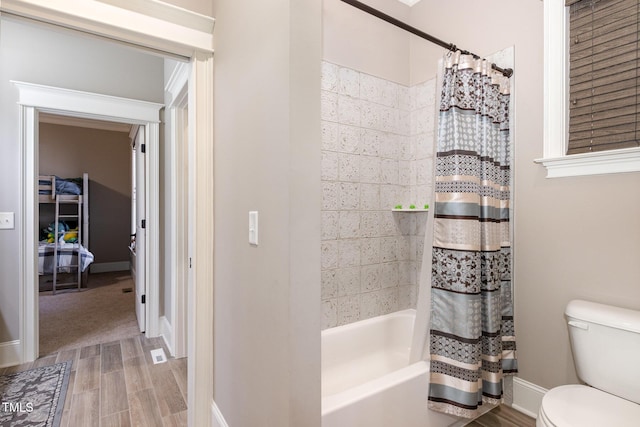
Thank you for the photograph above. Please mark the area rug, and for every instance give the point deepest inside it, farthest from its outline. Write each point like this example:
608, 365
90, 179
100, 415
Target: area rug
34, 397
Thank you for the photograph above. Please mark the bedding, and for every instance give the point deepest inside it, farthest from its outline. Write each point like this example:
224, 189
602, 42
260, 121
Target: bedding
67, 256
69, 186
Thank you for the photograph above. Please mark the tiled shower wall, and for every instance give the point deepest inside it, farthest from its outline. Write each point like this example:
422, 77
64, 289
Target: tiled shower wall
377, 152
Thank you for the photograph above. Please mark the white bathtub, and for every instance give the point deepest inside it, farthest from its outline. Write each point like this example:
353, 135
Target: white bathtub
367, 379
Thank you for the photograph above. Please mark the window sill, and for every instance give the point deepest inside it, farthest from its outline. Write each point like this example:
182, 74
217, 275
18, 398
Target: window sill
598, 163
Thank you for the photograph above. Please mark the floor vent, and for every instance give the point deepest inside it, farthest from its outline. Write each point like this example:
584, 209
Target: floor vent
158, 356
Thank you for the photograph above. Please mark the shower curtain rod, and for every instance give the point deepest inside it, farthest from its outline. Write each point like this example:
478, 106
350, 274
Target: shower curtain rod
507, 72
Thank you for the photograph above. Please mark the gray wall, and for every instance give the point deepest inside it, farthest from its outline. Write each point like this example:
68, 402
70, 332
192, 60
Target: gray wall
53, 57
267, 158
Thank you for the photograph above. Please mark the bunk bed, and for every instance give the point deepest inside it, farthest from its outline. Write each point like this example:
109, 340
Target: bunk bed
62, 248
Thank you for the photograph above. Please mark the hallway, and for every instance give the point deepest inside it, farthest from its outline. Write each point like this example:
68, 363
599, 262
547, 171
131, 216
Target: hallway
102, 312
117, 384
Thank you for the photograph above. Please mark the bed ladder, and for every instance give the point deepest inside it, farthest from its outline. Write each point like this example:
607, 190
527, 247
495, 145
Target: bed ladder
68, 200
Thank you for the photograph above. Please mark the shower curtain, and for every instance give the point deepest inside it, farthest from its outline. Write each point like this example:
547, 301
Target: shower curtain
471, 338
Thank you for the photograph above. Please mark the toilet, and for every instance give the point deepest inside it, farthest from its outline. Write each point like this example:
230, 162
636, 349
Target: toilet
605, 342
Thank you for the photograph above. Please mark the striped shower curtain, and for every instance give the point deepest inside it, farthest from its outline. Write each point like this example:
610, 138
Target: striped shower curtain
472, 342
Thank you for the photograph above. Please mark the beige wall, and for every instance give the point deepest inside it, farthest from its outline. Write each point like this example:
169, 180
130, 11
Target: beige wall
68, 152
267, 158
354, 39
574, 237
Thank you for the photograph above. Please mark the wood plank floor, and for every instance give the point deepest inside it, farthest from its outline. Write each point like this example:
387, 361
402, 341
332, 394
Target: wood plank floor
116, 384
503, 416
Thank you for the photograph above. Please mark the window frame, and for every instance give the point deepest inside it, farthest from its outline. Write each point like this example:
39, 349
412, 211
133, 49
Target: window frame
556, 111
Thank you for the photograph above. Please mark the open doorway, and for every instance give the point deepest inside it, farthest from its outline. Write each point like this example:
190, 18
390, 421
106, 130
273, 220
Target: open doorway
99, 307
44, 99
194, 46
157, 287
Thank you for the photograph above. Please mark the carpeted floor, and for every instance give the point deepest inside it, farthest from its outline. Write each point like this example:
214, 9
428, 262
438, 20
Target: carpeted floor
100, 313
34, 397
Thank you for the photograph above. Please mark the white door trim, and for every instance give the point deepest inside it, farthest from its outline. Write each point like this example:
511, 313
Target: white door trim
152, 213
180, 283
201, 300
29, 327
34, 98
142, 243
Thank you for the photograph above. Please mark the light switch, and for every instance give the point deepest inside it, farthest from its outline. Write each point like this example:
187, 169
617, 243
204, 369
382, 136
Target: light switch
253, 228
6, 220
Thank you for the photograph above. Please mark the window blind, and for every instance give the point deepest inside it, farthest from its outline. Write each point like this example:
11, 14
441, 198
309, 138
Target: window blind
603, 75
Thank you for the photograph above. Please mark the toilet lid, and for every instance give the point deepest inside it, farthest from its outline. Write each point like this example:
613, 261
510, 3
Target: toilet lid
580, 405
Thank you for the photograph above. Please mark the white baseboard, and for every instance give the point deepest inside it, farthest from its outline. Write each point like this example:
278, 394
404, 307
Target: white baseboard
166, 332
10, 353
216, 416
103, 267
527, 397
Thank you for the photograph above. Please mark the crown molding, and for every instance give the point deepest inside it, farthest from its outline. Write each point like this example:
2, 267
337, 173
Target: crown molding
146, 23
166, 12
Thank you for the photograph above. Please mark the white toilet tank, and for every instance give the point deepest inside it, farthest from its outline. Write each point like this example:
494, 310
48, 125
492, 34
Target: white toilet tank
606, 347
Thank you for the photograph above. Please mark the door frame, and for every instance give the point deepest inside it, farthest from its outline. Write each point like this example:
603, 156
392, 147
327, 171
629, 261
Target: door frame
33, 99
180, 149
173, 31
138, 139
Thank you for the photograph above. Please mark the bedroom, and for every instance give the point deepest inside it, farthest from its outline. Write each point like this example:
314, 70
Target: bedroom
69, 148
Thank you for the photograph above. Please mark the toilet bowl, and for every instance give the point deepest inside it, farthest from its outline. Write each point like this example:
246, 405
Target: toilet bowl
579, 405
605, 343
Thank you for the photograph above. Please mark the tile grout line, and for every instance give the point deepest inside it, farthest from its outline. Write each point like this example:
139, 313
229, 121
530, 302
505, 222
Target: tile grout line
100, 389
126, 384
